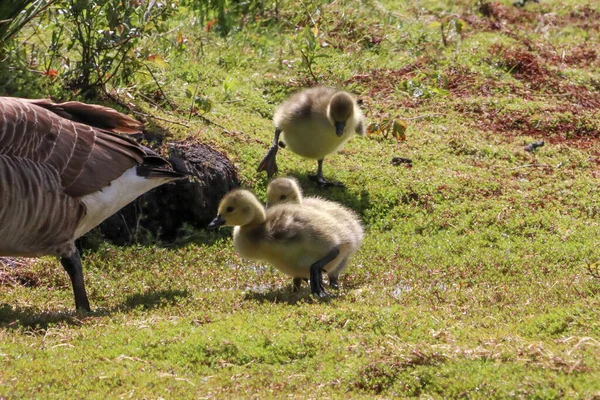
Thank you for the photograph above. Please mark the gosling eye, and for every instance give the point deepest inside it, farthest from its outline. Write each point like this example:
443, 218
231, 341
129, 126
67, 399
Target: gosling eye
282, 197
229, 209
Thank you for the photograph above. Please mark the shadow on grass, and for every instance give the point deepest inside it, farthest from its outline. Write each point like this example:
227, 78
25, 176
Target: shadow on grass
34, 319
154, 300
286, 295
359, 202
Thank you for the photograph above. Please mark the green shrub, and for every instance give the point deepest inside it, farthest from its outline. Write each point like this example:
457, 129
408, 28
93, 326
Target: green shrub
223, 15
15, 14
95, 42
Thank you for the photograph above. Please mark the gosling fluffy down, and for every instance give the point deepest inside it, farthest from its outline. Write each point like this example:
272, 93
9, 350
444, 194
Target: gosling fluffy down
288, 191
314, 123
301, 242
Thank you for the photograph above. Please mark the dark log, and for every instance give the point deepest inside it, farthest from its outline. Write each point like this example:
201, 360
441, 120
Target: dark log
168, 212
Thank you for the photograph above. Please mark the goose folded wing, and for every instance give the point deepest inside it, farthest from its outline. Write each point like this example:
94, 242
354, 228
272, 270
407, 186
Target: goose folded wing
87, 158
92, 114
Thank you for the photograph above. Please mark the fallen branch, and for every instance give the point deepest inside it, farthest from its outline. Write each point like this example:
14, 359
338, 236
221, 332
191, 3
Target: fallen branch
159, 87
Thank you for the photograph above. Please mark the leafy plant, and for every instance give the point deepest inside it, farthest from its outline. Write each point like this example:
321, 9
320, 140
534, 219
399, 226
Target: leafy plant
425, 85
15, 14
223, 15
103, 34
394, 127
450, 26
309, 47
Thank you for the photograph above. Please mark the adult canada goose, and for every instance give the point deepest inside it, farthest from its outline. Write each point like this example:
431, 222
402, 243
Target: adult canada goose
299, 241
314, 123
62, 172
287, 190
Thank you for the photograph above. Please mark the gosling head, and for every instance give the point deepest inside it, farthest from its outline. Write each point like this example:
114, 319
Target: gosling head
341, 108
283, 190
238, 208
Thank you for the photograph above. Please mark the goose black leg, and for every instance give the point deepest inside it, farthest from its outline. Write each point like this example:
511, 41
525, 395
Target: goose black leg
318, 178
269, 162
72, 265
316, 273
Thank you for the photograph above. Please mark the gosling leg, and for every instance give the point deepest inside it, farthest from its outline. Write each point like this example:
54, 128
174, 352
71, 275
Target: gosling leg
316, 272
334, 275
320, 180
333, 282
269, 162
298, 283
72, 265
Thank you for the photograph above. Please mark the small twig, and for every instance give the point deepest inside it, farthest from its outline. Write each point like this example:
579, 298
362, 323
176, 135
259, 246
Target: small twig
159, 118
444, 40
531, 165
308, 12
194, 99
208, 121
424, 116
159, 87
62, 27
308, 64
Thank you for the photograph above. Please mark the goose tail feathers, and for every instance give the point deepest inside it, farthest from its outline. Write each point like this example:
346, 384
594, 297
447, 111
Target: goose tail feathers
155, 166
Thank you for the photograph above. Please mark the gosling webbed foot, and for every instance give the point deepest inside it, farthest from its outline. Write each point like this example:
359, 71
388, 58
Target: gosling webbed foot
322, 182
269, 162
316, 273
318, 178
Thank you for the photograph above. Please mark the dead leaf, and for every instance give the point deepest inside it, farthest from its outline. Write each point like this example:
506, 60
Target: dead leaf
158, 60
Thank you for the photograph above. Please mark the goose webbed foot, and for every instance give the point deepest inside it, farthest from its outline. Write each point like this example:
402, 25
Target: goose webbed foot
297, 282
72, 265
316, 273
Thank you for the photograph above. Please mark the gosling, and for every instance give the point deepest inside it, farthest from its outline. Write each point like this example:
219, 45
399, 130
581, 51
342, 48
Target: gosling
314, 123
287, 191
301, 242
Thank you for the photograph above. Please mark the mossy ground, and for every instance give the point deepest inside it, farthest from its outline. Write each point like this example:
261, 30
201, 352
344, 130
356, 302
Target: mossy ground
476, 278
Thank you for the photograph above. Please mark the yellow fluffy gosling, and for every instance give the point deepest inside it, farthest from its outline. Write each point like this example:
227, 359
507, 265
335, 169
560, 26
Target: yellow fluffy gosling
314, 123
301, 242
287, 190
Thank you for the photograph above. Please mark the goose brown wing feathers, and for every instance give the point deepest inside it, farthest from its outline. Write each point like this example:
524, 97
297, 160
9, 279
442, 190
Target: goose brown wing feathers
92, 114
87, 158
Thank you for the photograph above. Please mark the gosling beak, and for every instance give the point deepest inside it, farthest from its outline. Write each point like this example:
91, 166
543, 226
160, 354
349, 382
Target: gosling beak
216, 223
339, 128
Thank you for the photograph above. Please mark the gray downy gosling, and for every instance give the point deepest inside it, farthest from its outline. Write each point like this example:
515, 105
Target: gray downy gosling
314, 123
287, 190
299, 241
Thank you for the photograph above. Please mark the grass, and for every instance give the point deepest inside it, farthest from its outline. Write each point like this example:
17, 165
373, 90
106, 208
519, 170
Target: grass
476, 277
